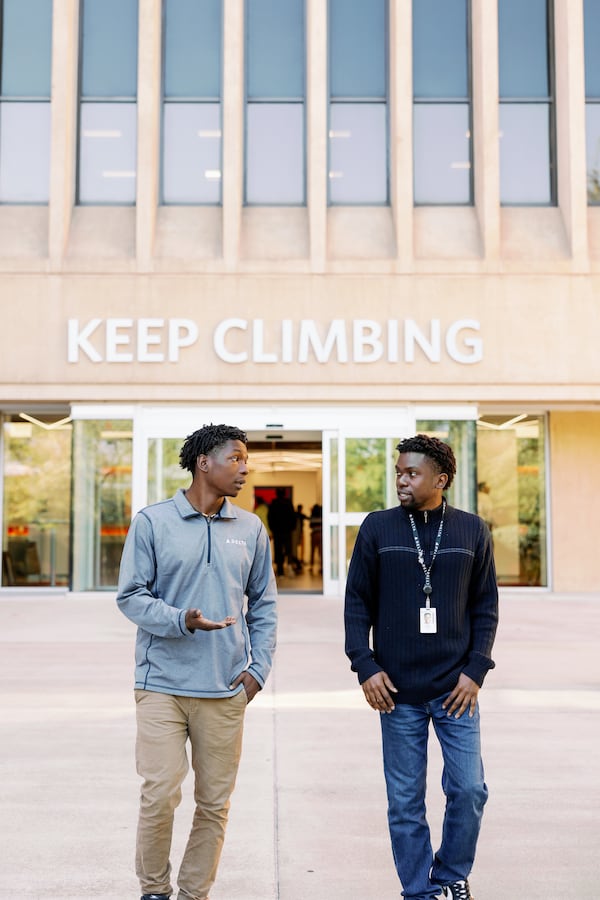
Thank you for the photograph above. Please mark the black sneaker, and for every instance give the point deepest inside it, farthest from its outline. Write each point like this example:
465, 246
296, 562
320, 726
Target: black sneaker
156, 897
458, 890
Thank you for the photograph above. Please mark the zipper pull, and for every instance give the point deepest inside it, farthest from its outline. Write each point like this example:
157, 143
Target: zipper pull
425, 513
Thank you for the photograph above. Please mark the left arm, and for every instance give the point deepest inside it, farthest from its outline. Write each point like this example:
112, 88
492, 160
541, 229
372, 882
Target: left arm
483, 616
261, 617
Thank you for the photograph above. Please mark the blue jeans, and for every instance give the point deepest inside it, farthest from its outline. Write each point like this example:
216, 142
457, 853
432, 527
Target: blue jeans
404, 733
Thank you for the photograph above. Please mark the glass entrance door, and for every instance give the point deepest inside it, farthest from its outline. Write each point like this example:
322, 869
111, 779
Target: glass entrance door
357, 470
358, 478
128, 456
102, 471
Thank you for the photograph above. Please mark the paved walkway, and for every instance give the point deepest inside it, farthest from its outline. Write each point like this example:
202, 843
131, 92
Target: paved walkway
308, 815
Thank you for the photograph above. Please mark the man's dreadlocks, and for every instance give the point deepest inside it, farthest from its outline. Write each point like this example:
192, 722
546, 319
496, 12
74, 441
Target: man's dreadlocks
205, 440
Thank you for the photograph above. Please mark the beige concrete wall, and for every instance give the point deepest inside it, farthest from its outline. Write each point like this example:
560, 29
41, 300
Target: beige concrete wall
575, 511
538, 337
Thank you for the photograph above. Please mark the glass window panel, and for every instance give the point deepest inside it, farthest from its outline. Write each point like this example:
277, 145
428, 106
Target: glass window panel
107, 157
24, 152
367, 470
102, 463
26, 48
165, 475
442, 153
461, 435
525, 153
275, 153
192, 153
275, 49
193, 47
351, 535
358, 39
523, 48
358, 153
511, 479
440, 48
109, 48
592, 137
36, 503
592, 57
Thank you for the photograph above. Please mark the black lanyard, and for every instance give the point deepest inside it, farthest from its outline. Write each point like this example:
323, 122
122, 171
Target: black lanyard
420, 555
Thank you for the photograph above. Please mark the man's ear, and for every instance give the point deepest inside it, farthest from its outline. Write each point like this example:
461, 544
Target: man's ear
202, 462
442, 481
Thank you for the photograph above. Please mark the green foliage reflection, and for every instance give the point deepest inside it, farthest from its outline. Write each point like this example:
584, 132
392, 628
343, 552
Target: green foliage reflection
367, 471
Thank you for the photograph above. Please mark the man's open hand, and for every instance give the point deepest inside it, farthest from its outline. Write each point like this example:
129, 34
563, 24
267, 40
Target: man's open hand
194, 620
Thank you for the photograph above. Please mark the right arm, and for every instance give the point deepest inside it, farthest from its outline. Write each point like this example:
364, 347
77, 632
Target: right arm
136, 599
359, 616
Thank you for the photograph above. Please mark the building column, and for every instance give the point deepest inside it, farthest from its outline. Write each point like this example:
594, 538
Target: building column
233, 129
486, 135
148, 122
571, 164
63, 154
316, 131
401, 131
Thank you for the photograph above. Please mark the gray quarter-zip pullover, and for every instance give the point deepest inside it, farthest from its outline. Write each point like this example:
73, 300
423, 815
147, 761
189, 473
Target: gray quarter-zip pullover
175, 559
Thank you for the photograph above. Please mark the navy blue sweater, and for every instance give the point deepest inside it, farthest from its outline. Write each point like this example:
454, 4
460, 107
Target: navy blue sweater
385, 593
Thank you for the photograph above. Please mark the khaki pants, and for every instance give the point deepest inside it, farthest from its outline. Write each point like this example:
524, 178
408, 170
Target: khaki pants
214, 728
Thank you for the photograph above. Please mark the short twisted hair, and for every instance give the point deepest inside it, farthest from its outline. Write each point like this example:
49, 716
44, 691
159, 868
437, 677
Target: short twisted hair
437, 451
205, 440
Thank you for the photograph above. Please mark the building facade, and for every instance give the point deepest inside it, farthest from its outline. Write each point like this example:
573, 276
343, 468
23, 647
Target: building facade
332, 223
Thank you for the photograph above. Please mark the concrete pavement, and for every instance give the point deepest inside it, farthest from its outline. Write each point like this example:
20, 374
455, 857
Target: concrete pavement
308, 814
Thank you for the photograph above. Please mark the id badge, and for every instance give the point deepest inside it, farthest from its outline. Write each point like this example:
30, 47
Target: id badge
428, 620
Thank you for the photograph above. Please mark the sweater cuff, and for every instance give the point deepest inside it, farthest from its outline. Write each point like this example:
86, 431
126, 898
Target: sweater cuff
185, 631
367, 670
257, 676
478, 666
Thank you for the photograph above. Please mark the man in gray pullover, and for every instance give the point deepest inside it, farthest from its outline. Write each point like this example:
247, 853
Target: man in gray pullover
197, 579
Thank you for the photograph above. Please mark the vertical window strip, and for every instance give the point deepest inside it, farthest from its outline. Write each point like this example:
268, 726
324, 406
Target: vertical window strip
108, 102
592, 99
442, 103
275, 142
191, 171
526, 108
358, 134
25, 76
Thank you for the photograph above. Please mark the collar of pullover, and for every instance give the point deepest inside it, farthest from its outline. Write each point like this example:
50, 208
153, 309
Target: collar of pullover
186, 510
425, 516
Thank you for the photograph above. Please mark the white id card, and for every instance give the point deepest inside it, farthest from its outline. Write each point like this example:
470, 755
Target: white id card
428, 620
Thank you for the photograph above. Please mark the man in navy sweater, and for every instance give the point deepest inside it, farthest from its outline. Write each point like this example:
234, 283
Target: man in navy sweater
422, 581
